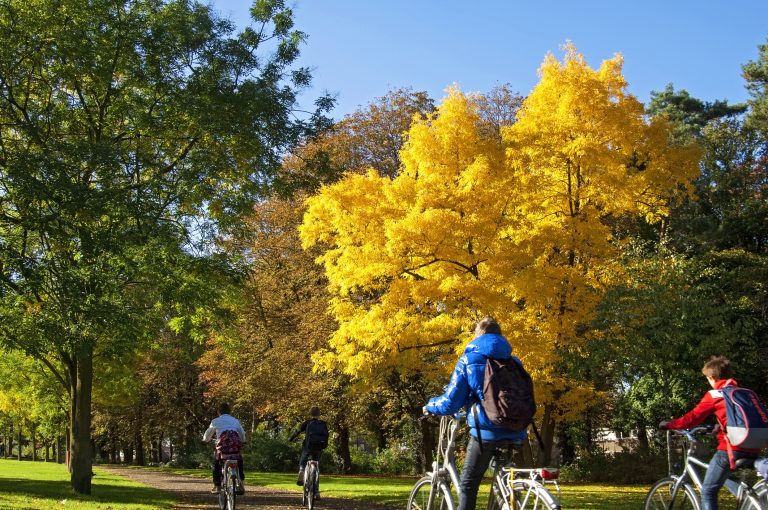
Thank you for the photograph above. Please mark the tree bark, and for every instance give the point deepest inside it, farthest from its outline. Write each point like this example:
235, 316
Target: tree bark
34, 444
67, 452
81, 461
547, 436
19, 445
128, 452
138, 441
342, 449
642, 439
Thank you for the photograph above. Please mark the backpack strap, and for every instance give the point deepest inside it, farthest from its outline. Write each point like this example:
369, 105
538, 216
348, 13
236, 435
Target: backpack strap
477, 425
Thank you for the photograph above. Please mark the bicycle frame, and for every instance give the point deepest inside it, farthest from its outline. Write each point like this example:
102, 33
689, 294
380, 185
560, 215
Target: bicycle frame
446, 449
508, 482
739, 488
228, 495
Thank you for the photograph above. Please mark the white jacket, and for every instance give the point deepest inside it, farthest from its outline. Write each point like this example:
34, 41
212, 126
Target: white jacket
222, 423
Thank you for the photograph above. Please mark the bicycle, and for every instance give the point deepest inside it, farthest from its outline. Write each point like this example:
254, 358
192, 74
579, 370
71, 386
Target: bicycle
511, 488
231, 485
676, 491
311, 487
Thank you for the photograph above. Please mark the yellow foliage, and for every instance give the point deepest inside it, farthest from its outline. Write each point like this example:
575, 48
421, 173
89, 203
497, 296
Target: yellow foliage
518, 230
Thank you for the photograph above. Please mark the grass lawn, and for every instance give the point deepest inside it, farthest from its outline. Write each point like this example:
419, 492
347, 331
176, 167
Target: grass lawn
395, 490
40, 485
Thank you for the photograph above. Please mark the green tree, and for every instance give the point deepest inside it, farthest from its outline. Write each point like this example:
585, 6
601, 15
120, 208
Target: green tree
689, 114
756, 74
130, 132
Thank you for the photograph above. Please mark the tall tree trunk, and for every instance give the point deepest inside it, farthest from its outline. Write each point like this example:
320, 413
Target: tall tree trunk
567, 447
138, 441
47, 452
19, 441
34, 444
128, 452
642, 438
342, 449
81, 461
547, 436
68, 451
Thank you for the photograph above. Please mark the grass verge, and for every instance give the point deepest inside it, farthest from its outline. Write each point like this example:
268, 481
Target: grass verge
43, 486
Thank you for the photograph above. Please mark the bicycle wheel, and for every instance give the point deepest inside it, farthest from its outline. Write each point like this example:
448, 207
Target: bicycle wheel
419, 498
761, 491
660, 497
527, 495
309, 485
758, 499
231, 496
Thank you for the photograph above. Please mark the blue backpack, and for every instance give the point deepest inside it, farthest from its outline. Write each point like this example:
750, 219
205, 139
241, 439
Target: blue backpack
746, 418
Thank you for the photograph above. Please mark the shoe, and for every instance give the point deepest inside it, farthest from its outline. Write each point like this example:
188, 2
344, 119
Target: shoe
300, 479
317, 495
215, 489
239, 489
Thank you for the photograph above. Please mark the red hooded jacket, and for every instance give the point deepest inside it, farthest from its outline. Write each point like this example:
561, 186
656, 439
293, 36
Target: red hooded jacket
711, 403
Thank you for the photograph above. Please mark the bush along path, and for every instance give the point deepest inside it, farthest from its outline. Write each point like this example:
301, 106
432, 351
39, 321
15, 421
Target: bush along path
194, 493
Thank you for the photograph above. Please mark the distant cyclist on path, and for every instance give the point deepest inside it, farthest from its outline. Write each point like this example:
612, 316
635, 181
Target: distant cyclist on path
230, 437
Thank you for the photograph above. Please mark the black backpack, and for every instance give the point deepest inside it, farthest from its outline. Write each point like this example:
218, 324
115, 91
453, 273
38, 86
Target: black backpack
317, 435
508, 394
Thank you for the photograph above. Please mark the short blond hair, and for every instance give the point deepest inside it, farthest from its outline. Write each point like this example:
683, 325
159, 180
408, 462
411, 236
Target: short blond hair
718, 367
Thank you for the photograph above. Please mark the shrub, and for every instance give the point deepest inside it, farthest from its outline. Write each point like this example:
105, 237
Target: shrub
394, 461
619, 468
271, 453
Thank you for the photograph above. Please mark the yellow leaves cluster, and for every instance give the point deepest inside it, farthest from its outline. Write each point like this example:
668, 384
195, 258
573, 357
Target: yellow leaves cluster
471, 227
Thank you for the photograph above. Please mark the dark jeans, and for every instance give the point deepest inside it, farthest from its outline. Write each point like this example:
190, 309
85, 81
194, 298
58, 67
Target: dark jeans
476, 463
217, 464
305, 454
717, 472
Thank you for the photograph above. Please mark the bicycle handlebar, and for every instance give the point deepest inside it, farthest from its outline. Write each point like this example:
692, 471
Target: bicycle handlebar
690, 434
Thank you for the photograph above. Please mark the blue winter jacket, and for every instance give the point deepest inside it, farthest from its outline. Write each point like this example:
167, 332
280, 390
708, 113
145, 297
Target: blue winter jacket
466, 388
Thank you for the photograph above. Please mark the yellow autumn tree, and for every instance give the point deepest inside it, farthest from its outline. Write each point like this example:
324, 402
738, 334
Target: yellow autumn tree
519, 230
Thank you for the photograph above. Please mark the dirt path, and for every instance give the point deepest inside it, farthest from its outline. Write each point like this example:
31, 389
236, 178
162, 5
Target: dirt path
194, 493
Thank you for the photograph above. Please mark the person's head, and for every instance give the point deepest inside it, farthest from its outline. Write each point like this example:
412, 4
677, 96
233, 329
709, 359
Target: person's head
717, 368
314, 411
487, 325
224, 408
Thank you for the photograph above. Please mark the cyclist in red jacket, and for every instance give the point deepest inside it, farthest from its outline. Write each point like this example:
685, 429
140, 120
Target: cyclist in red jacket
719, 374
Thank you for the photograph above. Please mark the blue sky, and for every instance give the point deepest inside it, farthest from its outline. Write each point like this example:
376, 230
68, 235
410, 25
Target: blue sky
359, 49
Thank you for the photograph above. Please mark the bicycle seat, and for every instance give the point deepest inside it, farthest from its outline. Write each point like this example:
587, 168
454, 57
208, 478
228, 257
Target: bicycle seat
745, 463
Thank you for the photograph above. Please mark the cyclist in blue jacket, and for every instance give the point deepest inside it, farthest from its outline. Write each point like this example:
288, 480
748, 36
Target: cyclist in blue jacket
466, 389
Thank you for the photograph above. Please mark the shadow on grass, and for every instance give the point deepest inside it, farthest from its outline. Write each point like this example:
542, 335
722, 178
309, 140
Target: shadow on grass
102, 492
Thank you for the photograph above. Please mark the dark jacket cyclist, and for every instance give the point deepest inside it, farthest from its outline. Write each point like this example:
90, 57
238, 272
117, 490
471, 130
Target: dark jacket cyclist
315, 440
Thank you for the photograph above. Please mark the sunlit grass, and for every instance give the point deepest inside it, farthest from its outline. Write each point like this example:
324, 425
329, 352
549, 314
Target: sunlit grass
40, 485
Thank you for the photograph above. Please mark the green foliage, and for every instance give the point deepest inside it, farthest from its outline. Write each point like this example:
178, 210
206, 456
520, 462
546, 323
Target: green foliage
756, 74
689, 114
273, 453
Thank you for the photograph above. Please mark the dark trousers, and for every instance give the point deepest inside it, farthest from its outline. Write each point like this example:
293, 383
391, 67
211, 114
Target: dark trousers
306, 453
217, 464
476, 464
